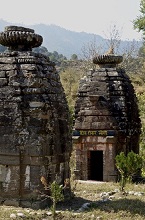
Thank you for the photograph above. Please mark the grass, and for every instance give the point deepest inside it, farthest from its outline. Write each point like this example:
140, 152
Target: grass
121, 207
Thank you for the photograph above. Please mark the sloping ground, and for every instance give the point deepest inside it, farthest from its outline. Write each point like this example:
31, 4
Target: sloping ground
92, 200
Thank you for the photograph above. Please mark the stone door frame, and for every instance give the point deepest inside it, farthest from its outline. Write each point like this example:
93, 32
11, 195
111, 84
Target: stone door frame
106, 144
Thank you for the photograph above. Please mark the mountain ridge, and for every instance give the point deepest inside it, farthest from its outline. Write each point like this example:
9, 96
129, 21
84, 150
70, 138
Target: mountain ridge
66, 42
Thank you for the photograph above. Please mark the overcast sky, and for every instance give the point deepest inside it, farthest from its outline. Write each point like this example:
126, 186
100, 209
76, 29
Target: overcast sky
91, 16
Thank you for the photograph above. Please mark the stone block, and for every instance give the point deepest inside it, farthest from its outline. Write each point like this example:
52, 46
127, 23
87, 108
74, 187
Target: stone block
2, 74
10, 159
100, 73
12, 202
7, 67
36, 104
3, 81
8, 60
29, 67
113, 73
11, 73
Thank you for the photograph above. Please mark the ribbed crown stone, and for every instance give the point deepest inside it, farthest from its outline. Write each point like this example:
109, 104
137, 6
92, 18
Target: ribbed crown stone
20, 38
109, 59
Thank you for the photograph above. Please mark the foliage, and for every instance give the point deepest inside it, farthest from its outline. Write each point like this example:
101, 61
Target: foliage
56, 193
139, 23
41, 49
128, 166
141, 99
70, 80
74, 57
141, 52
56, 196
53, 56
56, 57
131, 60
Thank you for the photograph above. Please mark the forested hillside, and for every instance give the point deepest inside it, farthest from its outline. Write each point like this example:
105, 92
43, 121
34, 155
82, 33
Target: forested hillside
68, 42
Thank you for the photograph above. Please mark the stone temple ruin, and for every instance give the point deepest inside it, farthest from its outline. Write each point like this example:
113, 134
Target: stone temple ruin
106, 120
35, 139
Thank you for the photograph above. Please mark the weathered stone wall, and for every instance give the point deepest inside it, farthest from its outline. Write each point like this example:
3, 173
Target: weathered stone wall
35, 136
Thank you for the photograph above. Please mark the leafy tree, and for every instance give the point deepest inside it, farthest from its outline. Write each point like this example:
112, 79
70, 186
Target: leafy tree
74, 57
56, 193
56, 196
128, 166
42, 50
139, 23
141, 52
53, 56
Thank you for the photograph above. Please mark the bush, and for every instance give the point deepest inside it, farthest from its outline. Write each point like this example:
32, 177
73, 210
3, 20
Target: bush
128, 166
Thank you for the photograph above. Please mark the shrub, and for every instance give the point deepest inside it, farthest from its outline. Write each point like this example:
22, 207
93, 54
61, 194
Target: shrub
128, 166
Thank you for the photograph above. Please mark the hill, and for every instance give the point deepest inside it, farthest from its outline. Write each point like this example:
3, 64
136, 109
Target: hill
64, 41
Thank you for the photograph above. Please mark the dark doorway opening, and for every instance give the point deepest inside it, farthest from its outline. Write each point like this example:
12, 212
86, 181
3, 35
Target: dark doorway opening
95, 165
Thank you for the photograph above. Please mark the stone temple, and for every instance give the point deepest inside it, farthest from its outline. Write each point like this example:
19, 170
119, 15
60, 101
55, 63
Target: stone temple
106, 119
35, 138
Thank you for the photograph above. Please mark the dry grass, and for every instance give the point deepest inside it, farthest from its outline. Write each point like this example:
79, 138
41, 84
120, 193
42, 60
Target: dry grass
121, 207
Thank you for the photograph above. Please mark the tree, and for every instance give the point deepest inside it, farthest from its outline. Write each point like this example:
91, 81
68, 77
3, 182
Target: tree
56, 193
139, 23
88, 52
70, 81
128, 166
53, 56
113, 37
141, 52
74, 57
41, 49
56, 196
93, 48
132, 63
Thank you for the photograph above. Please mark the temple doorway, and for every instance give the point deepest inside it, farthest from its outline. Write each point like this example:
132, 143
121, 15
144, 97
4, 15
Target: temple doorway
95, 165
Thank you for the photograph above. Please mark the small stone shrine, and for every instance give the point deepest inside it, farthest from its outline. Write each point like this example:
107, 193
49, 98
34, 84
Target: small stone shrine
35, 138
106, 119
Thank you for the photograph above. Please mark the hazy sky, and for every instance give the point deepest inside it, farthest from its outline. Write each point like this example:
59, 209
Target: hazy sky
92, 16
